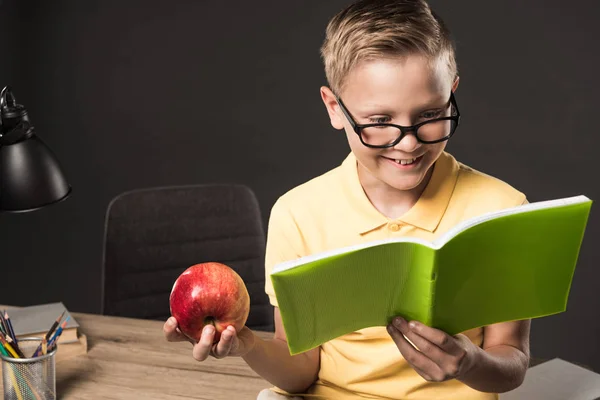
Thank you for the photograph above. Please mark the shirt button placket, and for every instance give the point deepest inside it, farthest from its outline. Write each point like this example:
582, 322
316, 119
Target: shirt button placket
394, 227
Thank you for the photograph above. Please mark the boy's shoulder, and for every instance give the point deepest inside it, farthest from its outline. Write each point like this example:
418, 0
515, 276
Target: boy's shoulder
321, 189
481, 186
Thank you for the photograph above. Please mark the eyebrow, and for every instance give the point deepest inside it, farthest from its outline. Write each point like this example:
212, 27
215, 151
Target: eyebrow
376, 109
379, 109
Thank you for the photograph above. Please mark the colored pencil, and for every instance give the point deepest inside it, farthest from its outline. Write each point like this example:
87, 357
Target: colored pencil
54, 325
15, 383
3, 323
10, 327
15, 346
54, 339
8, 347
49, 334
15, 343
58, 332
8, 332
3, 350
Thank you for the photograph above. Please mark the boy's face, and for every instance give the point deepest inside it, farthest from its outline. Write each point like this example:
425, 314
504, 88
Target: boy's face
398, 91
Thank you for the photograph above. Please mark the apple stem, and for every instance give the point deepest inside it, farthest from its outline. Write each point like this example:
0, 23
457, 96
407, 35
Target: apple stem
209, 320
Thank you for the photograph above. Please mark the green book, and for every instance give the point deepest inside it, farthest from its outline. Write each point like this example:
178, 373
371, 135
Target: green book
508, 265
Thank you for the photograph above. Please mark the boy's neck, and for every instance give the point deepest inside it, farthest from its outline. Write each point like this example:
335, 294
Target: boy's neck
391, 202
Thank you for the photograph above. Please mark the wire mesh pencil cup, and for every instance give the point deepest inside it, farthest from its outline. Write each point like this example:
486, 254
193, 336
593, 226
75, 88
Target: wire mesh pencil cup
29, 378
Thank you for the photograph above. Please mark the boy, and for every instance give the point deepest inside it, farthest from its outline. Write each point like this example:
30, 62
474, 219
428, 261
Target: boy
392, 75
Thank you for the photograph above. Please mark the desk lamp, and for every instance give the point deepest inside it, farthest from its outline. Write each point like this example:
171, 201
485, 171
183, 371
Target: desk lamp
30, 176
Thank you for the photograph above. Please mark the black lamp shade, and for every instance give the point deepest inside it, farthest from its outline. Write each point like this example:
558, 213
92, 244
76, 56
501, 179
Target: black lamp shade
30, 176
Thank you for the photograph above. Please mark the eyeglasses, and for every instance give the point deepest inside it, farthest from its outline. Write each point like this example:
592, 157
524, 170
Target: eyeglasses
384, 135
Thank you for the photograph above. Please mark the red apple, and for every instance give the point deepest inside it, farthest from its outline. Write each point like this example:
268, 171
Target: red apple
209, 293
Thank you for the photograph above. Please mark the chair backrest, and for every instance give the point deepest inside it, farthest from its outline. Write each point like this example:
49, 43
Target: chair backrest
152, 235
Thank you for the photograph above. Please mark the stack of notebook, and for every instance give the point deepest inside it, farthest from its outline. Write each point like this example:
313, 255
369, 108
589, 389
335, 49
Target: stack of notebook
35, 321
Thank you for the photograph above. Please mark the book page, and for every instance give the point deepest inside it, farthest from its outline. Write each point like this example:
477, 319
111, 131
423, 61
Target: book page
463, 226
343, 250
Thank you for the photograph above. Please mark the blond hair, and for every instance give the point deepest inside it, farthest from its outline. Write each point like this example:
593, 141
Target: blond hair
374, 29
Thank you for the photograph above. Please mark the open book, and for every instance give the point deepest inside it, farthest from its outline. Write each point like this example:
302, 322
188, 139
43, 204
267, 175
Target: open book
512, 264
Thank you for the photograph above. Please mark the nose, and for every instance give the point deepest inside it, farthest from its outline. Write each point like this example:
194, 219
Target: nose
409, 143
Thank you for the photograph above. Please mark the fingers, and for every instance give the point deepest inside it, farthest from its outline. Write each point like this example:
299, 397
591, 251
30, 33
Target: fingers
205, 346
426, 347
424, 374
439, 338
421, 363
225, 344
438, 356
172, 333
229, 344
202, 349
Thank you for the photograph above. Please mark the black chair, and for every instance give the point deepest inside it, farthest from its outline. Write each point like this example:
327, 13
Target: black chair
152, 235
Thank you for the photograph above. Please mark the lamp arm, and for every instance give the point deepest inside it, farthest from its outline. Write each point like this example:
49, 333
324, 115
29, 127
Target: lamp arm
14, 121
3, 100
7, 98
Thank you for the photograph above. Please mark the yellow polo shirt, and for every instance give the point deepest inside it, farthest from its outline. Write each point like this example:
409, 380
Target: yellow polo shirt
332, 211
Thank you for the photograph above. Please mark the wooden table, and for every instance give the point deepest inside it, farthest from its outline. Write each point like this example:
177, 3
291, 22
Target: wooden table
130, 359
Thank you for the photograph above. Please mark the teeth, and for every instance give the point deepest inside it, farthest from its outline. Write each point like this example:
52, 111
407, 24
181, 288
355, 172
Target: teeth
406, 162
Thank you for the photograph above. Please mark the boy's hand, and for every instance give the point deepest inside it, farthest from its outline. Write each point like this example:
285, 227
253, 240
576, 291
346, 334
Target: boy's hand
230, 343
440, 357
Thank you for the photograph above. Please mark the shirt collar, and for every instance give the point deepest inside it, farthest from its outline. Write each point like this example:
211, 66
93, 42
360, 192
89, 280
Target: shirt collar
427, 212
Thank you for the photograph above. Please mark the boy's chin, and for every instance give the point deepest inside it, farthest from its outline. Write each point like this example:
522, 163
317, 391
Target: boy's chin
405, 185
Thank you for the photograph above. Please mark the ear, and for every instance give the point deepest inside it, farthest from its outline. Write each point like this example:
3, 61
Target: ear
333, 108
455, 84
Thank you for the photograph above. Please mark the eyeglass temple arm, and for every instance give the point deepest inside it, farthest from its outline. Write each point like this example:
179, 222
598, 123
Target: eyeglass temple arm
346, 112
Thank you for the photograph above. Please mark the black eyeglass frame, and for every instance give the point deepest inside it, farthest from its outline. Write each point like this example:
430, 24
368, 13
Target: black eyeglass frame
404, 130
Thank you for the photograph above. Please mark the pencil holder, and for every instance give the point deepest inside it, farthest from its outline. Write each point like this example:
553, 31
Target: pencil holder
29, 378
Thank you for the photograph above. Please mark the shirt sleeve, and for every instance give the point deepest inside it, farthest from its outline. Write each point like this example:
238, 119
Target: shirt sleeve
284, 243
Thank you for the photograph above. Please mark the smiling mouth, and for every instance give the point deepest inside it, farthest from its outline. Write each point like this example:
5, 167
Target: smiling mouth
405, 161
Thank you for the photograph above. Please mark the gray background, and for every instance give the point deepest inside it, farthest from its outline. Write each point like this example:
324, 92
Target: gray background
147, 93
